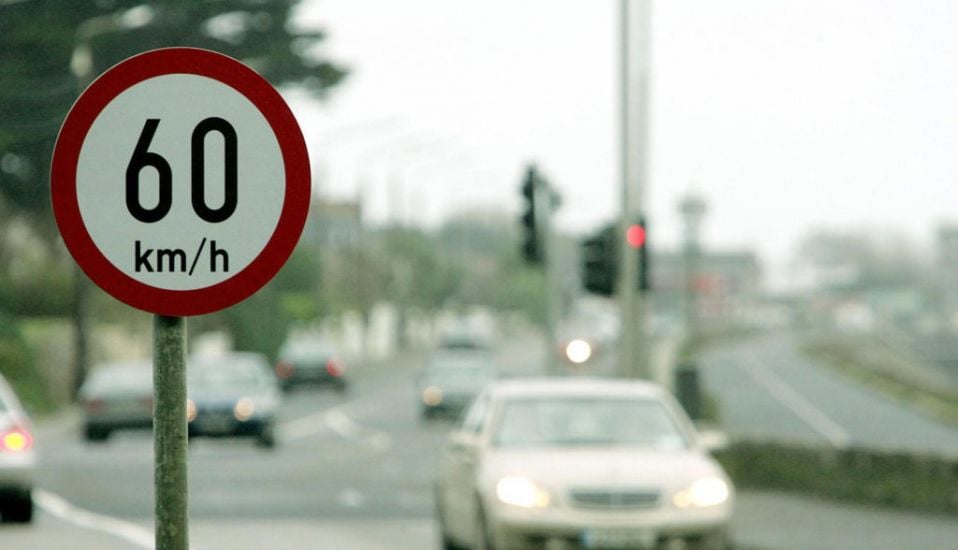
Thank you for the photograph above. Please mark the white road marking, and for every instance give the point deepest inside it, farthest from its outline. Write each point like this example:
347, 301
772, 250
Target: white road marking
795, 402
307, 426
336, 420
347, 428
60, 508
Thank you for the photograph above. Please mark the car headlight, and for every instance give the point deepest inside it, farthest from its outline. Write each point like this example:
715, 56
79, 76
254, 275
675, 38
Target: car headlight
432, 396
243, 410
522, 492
190, 410
709, 491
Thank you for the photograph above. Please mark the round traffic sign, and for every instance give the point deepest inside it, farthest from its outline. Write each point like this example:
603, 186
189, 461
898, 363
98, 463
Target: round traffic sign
180, 181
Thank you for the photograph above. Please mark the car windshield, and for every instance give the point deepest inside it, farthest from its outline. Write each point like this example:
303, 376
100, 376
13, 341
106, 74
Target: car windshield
121, 379
566, 422
225, 377
229, 373
459, 374
307, 352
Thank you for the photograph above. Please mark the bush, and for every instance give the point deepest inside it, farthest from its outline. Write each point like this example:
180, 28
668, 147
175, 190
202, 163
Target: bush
17, 366
886, 478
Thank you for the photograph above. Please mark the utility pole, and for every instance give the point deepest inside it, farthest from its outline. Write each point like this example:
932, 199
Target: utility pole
692, 208
634, 121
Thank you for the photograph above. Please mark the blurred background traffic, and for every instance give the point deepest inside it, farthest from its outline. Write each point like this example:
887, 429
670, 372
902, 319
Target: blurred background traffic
771, 240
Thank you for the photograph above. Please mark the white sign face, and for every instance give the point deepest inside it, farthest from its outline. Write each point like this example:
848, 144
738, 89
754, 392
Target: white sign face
180, 181
180, 250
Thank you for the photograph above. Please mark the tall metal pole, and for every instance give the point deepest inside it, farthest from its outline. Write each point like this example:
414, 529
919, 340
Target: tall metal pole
545, 202
692, 209
170, 433
635, 56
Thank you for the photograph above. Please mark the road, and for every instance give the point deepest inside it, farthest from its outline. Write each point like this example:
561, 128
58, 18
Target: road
766, 387
351, 471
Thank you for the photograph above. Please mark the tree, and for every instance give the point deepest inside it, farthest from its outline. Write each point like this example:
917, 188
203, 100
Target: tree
49, 49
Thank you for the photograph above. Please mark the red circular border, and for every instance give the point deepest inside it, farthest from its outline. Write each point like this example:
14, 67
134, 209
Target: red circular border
66, 155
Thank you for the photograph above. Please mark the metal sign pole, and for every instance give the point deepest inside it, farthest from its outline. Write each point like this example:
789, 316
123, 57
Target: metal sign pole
170, 433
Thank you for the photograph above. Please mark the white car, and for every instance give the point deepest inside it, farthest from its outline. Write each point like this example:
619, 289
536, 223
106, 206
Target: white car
17, 459
580, 463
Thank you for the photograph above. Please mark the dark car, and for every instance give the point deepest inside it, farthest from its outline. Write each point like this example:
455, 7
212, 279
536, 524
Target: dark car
452, 379
117, 396
232, 395
310, 361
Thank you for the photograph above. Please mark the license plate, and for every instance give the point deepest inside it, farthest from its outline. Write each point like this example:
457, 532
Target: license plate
618, 538
215, 424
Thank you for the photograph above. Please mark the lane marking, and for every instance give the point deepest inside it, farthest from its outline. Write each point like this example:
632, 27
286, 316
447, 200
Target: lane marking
336, 420
796, 402
347, 428
57, 506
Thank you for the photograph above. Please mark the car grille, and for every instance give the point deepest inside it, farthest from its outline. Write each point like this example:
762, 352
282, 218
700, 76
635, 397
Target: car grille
615, 499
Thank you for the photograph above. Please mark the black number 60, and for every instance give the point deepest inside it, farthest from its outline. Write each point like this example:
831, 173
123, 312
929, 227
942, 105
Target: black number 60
143, 158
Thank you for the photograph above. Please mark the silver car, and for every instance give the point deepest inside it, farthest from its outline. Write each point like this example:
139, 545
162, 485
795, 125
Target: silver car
117, 396
17, 459
580, 463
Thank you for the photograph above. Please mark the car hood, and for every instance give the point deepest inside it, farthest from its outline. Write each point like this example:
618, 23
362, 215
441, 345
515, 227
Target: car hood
563, 468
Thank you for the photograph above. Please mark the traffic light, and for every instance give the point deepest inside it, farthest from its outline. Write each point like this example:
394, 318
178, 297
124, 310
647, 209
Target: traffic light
531, 248
600, 261
637, 236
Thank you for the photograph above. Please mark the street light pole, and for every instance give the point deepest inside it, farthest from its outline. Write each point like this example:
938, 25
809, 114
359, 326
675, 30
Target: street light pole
634, 121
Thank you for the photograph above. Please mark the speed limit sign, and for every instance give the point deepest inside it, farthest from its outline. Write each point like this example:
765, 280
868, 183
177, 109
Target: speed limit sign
180, 181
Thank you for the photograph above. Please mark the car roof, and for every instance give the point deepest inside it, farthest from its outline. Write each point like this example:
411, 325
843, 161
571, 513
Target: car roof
574, 387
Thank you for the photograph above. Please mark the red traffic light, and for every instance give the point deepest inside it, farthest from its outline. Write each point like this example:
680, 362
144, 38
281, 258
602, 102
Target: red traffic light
635, 236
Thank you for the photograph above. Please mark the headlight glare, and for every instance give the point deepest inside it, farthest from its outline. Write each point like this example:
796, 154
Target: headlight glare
243, 410
522, 492
432, 396
709, 491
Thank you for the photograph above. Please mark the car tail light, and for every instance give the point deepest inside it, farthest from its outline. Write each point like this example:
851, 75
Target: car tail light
334, 367
284, 369
15, 440
147, 402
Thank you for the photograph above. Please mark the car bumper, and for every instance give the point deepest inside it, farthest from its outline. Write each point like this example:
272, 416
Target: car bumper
308, 375
227, 426
569, 528
120, 423
17, 473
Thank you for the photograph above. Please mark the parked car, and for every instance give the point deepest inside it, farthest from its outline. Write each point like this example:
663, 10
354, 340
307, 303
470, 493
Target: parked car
117, 396
452, 379
18, 460
232, 395
580, 463
310, 361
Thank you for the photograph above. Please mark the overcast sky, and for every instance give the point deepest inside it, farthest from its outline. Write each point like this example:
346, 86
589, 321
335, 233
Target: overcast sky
785, 115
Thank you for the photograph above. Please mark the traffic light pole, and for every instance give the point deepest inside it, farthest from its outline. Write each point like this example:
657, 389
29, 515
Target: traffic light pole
635, 53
